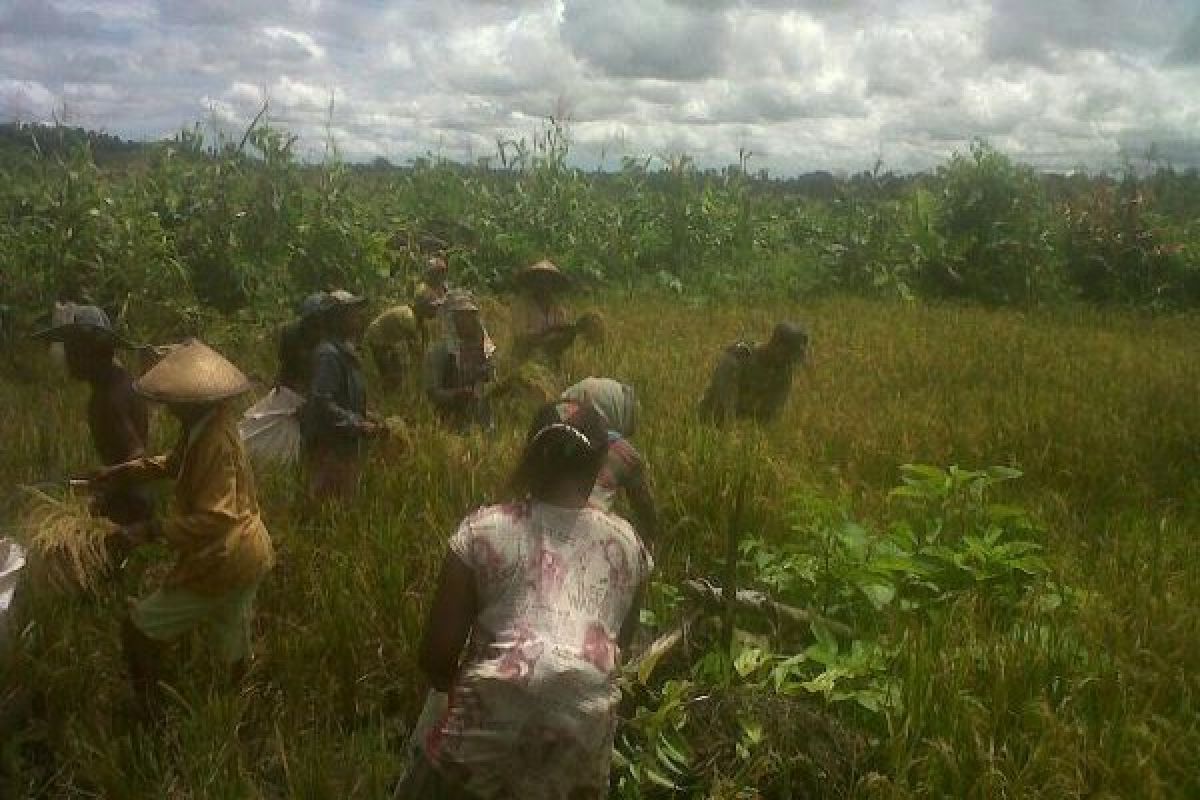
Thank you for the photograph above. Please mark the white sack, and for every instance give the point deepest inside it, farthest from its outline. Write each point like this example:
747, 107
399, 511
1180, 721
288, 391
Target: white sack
12, 561
270, 428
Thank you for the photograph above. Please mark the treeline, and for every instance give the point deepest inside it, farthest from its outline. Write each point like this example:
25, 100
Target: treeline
191, 224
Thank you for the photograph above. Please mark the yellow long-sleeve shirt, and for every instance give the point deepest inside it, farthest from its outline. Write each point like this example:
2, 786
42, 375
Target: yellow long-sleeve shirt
213, 522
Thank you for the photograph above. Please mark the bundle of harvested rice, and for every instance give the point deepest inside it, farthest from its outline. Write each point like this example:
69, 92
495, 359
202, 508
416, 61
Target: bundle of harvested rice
66, 543
530, 380
592, 328
400, 437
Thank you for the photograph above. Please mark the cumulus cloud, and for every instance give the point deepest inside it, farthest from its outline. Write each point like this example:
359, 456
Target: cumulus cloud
804, 84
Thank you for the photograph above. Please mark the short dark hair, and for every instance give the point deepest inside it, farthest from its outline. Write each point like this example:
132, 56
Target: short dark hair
567, 442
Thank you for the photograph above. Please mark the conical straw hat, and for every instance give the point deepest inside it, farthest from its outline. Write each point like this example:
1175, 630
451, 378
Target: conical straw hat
544, 270
192, 373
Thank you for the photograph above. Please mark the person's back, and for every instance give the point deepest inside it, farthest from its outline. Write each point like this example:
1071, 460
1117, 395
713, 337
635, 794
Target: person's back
296, 345
543, 594
117, 417
392, 339
337, 400
753, 381
555, 585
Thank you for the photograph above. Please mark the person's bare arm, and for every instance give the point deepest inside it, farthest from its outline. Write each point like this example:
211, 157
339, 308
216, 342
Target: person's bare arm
632, 620
451, 616
641, 503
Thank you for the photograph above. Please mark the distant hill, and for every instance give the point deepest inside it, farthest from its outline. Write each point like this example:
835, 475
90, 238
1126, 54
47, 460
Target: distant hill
55, 140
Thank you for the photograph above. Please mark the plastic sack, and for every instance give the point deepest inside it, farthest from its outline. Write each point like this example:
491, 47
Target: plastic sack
270, 428
12, 561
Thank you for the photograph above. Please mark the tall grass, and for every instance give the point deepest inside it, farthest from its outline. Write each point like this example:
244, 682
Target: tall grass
1098, 409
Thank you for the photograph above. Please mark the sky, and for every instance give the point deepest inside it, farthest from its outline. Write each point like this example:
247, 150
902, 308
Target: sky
800, 85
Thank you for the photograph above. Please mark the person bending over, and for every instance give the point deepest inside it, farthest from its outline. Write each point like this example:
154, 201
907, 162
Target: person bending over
543, 595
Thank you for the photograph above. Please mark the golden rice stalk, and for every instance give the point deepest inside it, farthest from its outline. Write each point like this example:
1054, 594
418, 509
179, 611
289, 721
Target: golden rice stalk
530, 381
66, 542
401, 437
592, 328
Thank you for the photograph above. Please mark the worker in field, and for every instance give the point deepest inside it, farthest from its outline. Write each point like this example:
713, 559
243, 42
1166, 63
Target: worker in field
222, 549
460, 365
624, 469
427, 307
270, 429
116, 415
753, 381
298, 341
335, 424
547, 591
392, 337
543, 330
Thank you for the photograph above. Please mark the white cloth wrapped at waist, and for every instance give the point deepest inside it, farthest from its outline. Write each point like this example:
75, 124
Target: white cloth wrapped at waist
12, 561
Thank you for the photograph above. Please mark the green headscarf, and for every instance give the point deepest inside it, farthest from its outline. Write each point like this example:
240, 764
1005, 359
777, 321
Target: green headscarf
615, 401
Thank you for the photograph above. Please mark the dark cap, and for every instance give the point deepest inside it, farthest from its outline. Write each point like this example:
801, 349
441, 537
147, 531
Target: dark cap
86, 321
790, 336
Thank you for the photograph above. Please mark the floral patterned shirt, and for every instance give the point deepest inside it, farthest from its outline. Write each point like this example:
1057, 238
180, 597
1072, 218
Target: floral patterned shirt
623, 466
533, 711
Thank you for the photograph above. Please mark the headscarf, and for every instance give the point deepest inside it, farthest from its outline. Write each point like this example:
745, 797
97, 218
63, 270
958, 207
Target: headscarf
615, 401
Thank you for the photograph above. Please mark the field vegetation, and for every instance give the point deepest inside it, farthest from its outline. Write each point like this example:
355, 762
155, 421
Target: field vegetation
984, 496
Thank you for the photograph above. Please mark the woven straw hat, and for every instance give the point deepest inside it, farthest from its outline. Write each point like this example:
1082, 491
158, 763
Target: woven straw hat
341, 297
544, 271
192, 373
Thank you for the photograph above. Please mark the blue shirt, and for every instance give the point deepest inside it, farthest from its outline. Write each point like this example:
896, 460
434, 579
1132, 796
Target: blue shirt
337, 401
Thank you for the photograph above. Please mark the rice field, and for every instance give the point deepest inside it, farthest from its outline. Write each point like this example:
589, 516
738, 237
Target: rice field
1099, 410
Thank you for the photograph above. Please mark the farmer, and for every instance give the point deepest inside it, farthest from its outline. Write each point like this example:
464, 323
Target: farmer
270, 429
116, 415
460, 364
544, 331
335, 423
392, 339
297, 341
427, 307
213, 524
753, 381
623, 467
547, 591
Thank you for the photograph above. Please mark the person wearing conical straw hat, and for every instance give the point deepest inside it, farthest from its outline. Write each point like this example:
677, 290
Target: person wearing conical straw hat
116, 415
458, 366
543, 328
222, 547
753, 381
335, 422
